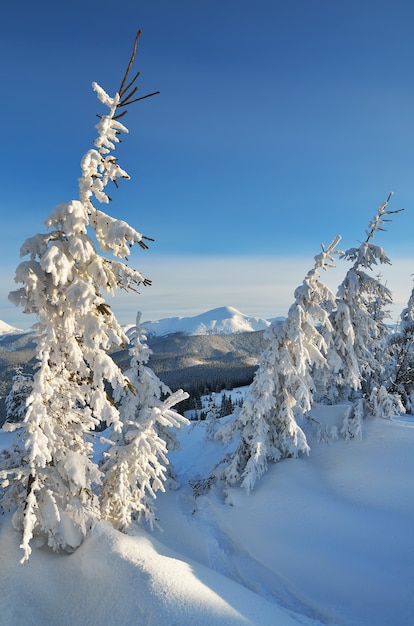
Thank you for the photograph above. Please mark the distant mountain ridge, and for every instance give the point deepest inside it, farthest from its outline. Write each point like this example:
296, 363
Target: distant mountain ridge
224, 320
221, 346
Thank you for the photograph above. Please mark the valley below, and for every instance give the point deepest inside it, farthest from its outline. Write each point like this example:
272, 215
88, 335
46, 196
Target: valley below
197, 363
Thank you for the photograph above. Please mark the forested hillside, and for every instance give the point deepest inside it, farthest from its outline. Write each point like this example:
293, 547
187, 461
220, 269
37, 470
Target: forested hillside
193, 363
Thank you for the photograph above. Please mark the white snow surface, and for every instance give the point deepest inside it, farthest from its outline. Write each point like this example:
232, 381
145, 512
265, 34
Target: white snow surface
324, 539
221, 321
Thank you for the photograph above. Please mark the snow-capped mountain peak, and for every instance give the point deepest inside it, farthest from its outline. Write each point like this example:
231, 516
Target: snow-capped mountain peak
6, 329
225, 320
221, 321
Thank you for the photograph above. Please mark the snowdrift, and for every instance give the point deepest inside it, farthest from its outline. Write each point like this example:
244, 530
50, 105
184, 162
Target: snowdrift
114, 579
325, 539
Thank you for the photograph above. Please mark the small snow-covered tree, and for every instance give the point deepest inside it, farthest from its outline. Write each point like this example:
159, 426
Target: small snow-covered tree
399, 370
136, 462
213, 413
17, 397
65, 281
355, 353
282, 387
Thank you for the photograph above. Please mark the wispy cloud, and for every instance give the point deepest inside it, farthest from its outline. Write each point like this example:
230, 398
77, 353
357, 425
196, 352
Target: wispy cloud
257, 286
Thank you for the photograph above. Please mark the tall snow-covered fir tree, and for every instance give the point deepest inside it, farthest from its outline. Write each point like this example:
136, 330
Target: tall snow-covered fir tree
282, 387
399, 369
136, 462
52, 481
355, 353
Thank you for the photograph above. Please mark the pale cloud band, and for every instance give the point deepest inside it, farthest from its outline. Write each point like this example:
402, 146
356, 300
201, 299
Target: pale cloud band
188, 285
257, 286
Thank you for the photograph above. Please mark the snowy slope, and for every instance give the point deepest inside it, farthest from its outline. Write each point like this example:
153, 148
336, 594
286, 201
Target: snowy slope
330, 536
113, 579
325, 539
223, 320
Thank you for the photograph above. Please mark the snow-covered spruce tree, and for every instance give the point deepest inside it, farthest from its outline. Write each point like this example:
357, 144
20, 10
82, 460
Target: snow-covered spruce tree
355, 354
399, 369
282, 387
212, 416
52, 483
136, 462
17, 397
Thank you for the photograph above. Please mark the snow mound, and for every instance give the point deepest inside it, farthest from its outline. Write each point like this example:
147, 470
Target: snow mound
221, 321
116, 579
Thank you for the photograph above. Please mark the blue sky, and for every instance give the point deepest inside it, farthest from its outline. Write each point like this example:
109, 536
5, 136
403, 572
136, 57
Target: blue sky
279, 125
